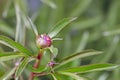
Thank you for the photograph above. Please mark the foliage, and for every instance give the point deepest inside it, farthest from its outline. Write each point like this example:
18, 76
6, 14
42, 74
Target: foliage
92, 24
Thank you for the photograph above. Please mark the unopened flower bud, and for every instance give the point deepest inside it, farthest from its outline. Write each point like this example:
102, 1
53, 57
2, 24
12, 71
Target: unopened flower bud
17, 63
43, 41
51, 64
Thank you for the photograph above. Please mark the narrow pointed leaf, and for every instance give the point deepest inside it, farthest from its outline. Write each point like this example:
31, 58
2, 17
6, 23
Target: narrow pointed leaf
8, 42
57, 76
91, 68
59, 26
82, 54
74, 76
57, 39
38, 70
21, 67
54, 77
53, 50
33, 26
10, 55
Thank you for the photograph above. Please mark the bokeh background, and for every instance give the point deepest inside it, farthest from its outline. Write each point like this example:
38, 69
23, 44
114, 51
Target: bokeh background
97, 27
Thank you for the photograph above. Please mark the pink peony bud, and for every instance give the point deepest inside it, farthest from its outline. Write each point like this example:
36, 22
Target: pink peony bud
43, 41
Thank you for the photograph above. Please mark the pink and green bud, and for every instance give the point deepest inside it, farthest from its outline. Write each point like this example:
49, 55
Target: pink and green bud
43, 41
51, 64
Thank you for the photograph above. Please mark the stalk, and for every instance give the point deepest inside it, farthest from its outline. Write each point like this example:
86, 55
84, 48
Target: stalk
36, 65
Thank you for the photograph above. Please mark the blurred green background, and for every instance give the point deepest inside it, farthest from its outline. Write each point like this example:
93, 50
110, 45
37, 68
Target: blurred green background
97, 27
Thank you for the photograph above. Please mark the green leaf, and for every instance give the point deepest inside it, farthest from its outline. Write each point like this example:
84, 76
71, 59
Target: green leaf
57, 76
54, 77
91, 68
83, 42
59, 26
53, 50
74, 76
33, 26
10, 55
82, 54
21, 67
57, 39
8, 42
8, 74
38, 70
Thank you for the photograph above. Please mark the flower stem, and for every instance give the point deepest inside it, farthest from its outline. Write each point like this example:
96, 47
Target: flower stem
36, 65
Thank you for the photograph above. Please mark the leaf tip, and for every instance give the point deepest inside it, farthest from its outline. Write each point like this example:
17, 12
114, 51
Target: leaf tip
100, 52
74, 18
